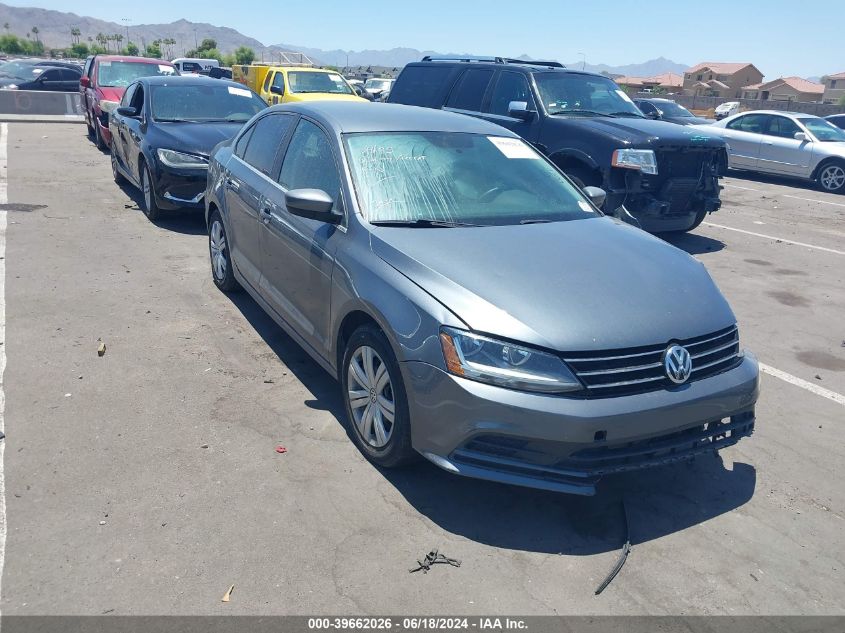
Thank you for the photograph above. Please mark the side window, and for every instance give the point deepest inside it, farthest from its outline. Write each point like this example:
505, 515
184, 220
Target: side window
240, 146
421, 85
782, 127
469, 92
646, 107
127, 96
279, 81
53, 74
267, 82
68, 74
138, 99
89, 63
510, 87
753, 123
309, 162
265, 140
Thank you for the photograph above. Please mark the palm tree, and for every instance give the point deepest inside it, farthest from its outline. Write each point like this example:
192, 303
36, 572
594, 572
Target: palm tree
6, 26
75, 35
35, 32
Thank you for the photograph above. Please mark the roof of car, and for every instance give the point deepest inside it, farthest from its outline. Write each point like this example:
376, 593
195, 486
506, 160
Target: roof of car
350, 117
130, 58
188, 80
803, 115
654, 99
511, 64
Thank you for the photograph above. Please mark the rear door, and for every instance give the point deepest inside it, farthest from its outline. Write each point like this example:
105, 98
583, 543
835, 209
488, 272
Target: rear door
744, 135
117, 126
70, 79
470, 92
250, 173
780, 153
297, 254
508, 87
50, 79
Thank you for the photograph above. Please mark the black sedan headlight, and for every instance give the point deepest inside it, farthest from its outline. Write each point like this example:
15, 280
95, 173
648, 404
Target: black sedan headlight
181, 160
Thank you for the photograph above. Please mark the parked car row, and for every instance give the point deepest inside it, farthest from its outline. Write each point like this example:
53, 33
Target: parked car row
40, 74
444, 270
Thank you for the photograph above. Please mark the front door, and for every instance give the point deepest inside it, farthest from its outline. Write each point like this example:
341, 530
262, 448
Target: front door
509, 87
780, 152
297, 254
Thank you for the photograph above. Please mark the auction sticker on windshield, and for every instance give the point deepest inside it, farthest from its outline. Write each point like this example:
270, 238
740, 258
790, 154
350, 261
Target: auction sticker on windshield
241, 92
513, 147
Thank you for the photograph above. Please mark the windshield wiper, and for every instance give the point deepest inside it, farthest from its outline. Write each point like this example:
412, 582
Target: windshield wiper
537, 221
631, 114
423, 224
579, 112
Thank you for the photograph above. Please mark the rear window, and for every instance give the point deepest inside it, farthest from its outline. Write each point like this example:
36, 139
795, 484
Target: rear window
421, 86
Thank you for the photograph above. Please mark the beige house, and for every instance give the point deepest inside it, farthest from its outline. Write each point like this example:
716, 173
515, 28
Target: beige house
666, 83
834, 87
720, 79
785, 89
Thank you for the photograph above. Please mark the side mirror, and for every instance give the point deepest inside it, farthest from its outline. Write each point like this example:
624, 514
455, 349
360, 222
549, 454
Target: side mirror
653, 115
85, 81
127, 111
596, 195
800, 136
314, 204
519, 110
277, 90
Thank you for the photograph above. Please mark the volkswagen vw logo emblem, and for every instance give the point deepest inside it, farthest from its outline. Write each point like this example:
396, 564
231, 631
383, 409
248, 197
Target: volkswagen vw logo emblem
678, 364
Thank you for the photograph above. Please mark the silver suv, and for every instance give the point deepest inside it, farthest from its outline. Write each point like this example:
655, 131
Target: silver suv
474, 304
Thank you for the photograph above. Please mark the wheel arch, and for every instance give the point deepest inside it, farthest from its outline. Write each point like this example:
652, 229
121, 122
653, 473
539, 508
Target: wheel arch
824, 163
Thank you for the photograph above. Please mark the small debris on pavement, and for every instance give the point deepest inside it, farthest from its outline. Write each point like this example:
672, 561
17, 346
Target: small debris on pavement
79, 376
102, 522
269, 381
67, 395
228, 594
204, 446
281, 449
101, 350
754, 577
434, 558
818, 377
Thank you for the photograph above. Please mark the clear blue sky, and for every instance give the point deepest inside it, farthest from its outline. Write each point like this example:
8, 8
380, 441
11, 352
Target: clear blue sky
782, 37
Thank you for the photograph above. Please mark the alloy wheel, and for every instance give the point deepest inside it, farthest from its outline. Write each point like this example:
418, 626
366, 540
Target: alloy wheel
370, 396
217, 244
832, 178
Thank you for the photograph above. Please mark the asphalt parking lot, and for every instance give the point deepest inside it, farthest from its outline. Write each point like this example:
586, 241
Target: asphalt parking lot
146, 481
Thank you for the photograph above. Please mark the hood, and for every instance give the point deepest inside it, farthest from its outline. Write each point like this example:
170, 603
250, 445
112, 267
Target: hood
687, 120
321, 96
643, 133
194, 138
580, 285
111, 93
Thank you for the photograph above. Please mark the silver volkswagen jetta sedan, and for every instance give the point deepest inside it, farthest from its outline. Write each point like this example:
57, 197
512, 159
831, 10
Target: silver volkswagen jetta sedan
473, 303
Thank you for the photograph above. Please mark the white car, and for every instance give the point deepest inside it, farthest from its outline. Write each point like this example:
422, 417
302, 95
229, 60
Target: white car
729, 108
378, 87
785, 144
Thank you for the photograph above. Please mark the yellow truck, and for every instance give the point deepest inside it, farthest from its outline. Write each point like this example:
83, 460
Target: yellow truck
286, 84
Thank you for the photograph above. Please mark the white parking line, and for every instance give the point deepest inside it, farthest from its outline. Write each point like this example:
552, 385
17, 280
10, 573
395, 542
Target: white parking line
738, 187
4, 133
835, 204
780, 239
799, 382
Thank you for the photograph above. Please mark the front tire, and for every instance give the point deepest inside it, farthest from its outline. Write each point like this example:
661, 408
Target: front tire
98, 137
118, 177
831, 177
222, 270
375, 399
150, 207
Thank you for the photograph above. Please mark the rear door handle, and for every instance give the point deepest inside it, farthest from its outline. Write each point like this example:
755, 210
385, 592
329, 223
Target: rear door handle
265, 214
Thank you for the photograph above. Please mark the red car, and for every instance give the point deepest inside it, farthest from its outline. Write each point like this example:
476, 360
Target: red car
104, 80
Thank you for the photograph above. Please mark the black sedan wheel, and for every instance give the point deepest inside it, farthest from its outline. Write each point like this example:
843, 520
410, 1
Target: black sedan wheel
115, 171
374, 395
150, 207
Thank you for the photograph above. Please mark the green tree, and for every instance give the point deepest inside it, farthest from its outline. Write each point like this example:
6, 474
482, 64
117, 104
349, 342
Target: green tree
132, 48
96, 49
154, 49
11, 44
6, 26
75, 35
208, 44
80, 49
244, 56
35, 32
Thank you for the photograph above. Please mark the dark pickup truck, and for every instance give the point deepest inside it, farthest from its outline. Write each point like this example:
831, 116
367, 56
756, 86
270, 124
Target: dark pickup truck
657, 175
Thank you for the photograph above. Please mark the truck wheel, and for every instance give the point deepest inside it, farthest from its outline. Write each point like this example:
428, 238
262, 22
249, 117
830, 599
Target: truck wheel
699, 218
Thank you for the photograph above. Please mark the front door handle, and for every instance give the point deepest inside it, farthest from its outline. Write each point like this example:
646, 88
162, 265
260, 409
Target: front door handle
233, 184
265, 214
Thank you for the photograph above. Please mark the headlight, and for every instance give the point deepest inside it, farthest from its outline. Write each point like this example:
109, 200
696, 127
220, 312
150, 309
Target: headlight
108, 106
179, 160
504, 364
10, 87
642, 159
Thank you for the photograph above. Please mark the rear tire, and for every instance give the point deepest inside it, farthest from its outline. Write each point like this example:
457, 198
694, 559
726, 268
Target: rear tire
375, 399
118, 177
149, 206
98, 137
831, 177
222, 271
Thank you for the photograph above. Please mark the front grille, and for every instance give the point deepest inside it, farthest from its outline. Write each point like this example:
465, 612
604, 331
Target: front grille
640, 369
549, 461
684, 164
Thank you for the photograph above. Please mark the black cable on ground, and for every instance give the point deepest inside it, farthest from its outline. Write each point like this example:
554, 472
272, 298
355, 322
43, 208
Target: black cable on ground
623, 555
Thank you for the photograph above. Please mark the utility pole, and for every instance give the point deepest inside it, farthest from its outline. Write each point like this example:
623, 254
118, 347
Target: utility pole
583, 60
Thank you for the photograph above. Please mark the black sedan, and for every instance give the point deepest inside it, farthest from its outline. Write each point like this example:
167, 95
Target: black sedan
40, 75
164, 130
668, 110
837, 119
